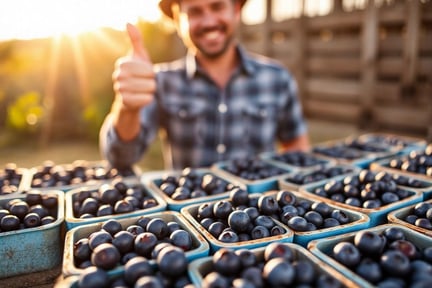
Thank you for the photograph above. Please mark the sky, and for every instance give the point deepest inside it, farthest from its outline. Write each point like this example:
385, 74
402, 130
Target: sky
28, 19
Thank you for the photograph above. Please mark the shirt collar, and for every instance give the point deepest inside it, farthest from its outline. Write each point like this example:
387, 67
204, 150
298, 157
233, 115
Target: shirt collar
246, 63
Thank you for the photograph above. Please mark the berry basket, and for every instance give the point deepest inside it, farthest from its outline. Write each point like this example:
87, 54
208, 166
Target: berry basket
200, 268
256, 174
67, 176
13, 180
399, 143
199, 246
296, 179
191, 214
323, 249
154, 202
367, 180
296, 160
354, 220
206, 185
35, 249
401, 217
348, 151
417, 163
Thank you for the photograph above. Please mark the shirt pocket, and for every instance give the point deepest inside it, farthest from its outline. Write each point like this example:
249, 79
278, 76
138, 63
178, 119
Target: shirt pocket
261, 125
186, 122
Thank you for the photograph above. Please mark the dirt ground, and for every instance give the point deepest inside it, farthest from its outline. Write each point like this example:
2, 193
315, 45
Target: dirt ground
67, 152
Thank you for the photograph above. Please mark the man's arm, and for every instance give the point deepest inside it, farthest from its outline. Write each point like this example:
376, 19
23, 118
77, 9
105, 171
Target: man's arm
300, 143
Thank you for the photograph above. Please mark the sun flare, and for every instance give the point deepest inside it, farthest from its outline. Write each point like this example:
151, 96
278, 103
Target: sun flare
28, 19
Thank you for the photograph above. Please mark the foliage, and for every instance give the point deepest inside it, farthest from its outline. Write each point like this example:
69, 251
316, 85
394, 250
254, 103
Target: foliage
62, 86
26, 113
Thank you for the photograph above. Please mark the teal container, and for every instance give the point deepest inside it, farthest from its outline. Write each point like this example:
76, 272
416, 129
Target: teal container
400, 144
398, 217
252, 186
322, 248
288, 182
199, 268
32, 249
377, 215
190, 212
278, 159
100, 169
357, 222
200, 245
72, 221
343, 152
153, 181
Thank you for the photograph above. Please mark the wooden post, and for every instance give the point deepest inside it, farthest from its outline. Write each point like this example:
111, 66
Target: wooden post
410, 49
268, 45
369, 50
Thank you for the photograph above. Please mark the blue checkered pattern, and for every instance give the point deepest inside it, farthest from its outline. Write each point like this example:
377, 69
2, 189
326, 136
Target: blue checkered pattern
202, 124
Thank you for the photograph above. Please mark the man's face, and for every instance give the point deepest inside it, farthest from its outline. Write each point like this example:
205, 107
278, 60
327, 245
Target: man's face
207, 25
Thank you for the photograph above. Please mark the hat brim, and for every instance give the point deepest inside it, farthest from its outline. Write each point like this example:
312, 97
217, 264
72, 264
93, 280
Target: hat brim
165, 6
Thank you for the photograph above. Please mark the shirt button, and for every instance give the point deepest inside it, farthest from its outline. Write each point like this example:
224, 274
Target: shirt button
222, 108
220, 148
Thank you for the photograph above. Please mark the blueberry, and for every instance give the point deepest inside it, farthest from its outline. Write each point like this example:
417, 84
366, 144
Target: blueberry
172, 261
222, 209
144, 244
148, 281
369, 242
123, 241
278, 272
93, 277
239, 196
239, 221
99, 237
158, 227
369, 270
215, 279
395, 263
135, 268
285, 197
347, 254
226, 262
340, 216
181, 239
31, 220
304, 272
297, 223
278, 250
216, 228
228, 236
259, 232
112, 226
105, 256
268, 205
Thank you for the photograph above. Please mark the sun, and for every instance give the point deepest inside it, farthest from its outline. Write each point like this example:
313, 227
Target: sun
29, 19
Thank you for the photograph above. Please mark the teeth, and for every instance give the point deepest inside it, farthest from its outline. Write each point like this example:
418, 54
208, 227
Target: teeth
212, 35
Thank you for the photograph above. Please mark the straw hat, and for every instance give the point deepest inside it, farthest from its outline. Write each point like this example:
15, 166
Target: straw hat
165, 6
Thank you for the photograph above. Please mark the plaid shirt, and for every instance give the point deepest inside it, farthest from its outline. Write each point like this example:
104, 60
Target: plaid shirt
203, 124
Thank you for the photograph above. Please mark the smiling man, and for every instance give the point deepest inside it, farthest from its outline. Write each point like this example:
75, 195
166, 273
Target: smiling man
219, 102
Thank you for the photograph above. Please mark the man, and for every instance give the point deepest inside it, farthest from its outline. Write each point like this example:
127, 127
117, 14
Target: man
216, 103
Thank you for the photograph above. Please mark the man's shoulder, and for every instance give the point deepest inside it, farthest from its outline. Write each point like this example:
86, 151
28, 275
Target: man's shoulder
171, 66
260, 61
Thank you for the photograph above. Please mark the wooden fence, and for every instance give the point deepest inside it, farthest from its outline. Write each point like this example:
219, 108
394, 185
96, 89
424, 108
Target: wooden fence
370, 67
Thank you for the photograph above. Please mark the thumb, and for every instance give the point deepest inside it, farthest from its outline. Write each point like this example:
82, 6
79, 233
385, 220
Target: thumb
137, 42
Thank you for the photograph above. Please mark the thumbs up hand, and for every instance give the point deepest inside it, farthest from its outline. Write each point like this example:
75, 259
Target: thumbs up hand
133, 78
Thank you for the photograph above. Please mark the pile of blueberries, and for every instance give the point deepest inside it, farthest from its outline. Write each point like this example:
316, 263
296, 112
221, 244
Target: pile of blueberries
367, 189
115, 197
252, 168
114, 245
419, 162
50, 174
307, 177
280, 265
299, 159
32, 210
386, 258
420, 215
192, 183
10, 179
170, 271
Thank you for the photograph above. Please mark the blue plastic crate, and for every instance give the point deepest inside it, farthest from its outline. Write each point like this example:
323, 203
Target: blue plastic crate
358, 221
288, 182
377, 215
322, 248
398, 217
253, 186
108, 175
73, 221
32, 249
200, 245
190, 212
199, 268
277, 158
153, 181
